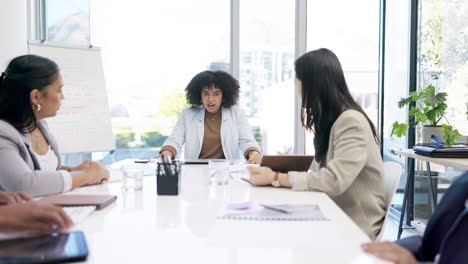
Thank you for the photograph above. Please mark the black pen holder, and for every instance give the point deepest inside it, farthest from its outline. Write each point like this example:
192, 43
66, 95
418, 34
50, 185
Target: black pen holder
167, 177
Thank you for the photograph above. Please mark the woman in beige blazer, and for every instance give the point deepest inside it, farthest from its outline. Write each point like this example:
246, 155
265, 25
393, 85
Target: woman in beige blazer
350, 167
31, 90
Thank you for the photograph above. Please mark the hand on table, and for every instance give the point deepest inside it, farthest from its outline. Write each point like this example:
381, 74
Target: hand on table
13, 198
261, 175
390, 251
33, 217
255, 157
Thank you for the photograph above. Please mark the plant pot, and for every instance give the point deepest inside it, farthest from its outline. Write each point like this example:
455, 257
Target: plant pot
428, 131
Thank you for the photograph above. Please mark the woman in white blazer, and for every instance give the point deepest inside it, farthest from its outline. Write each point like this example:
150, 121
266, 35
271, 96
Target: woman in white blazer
31, 90
213, 127
346, 144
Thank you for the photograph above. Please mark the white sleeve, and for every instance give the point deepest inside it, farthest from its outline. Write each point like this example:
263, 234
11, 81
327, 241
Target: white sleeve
67, 180
298, 180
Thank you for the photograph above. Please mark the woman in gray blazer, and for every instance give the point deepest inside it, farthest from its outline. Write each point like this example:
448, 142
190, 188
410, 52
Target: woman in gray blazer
31, 90
346, 144
213, 127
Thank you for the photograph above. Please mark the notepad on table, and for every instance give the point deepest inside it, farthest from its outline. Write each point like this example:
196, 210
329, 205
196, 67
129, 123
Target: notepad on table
297, 212
100, 201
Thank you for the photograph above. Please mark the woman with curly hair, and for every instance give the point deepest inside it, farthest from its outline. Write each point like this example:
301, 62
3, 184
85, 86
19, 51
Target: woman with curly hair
213, 127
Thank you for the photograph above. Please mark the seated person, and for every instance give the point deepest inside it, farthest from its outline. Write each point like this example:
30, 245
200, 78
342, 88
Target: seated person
31, 90
18, 214
345, 141
445, 239
213, 127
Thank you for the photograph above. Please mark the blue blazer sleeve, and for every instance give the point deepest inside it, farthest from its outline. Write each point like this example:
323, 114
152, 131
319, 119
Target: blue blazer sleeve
454, 247
441, 225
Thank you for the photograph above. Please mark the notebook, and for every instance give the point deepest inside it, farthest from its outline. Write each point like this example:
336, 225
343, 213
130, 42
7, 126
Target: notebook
297, 212
455, 151
79, 213
286, 163
100, 201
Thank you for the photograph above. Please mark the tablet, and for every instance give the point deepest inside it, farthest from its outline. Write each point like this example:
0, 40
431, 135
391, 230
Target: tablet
285, 163
57, 248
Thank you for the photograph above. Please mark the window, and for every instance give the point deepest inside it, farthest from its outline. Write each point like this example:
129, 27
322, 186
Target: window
66, 21
266, 71
351, 30
149, 58
150, 52
396, 85
442, 62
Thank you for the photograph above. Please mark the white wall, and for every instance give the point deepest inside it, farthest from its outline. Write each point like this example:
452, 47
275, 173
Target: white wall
13, 30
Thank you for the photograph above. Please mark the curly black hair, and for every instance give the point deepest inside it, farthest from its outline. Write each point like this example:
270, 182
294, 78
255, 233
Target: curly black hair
218, 79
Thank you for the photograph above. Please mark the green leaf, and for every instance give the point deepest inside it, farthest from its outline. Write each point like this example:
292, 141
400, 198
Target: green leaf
405, 101
421, 118
413, 111
436, 113
430, 97
451, 135
399, 130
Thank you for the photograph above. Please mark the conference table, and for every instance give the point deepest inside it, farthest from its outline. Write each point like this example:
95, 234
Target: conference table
143, 227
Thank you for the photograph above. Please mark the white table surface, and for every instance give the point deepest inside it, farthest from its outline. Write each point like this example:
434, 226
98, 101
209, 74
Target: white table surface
142, 227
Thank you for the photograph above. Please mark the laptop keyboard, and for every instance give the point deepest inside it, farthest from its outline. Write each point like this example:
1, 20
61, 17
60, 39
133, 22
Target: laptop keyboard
78, 213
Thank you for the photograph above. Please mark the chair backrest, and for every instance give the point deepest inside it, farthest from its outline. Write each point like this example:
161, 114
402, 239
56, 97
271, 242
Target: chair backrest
392, 174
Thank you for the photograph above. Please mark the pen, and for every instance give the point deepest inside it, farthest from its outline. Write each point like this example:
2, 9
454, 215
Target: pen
142, 161
167, 166
273, 208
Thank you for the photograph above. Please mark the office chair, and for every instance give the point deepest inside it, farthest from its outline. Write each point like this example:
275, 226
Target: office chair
392, 174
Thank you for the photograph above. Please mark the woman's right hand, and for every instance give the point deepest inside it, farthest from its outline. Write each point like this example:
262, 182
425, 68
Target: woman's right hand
166, 154
33, 217
89, 172
96, 172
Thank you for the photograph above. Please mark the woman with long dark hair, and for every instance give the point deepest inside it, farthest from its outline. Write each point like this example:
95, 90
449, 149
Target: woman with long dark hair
350, 167
31, 90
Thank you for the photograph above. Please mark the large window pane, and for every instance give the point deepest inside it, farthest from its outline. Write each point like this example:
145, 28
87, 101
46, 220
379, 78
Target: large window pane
351, 30
150, 52
442, 62
267, 71
396, 85
67, 21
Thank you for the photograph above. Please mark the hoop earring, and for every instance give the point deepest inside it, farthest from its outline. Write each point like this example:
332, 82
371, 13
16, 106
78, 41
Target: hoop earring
38, 107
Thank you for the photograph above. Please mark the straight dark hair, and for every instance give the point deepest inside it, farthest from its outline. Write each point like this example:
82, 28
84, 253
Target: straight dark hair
325, 96
22, 75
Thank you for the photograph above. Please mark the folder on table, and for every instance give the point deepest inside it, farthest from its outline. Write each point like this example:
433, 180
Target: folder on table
100, 201
455, 151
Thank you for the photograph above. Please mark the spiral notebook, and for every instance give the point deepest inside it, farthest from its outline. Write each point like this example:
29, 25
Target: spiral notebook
297, 212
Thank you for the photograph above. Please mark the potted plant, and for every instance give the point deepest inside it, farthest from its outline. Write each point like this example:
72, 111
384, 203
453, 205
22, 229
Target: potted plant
429, 110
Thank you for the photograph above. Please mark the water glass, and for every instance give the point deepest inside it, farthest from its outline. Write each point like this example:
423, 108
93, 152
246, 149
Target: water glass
132, 177
219, 171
